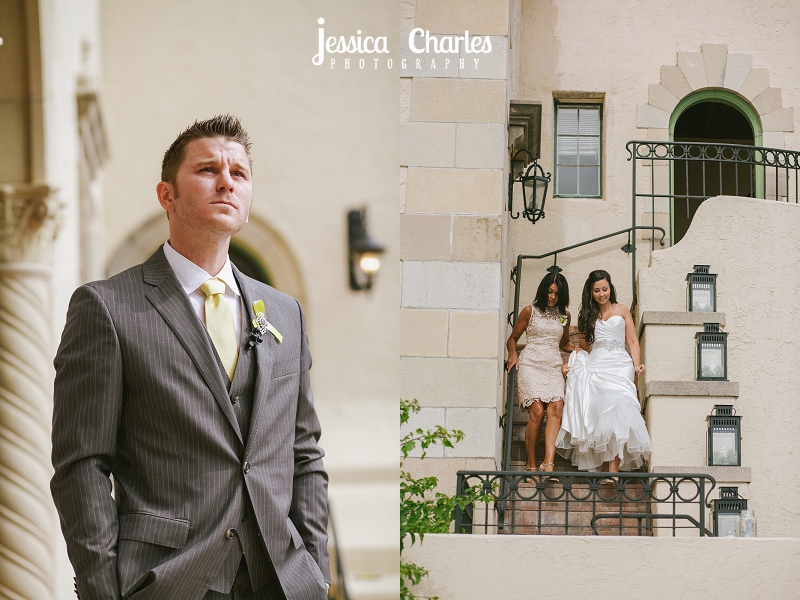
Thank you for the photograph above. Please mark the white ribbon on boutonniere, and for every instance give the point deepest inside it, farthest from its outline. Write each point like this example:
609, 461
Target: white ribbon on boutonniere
261, 324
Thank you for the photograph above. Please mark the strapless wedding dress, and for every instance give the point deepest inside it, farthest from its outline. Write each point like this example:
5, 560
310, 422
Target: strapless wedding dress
601, 417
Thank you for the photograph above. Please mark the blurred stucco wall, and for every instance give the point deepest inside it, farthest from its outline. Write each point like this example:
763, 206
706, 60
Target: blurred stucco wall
325, 140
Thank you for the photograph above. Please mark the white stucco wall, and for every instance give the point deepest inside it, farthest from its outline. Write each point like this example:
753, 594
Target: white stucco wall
518, 566
618, 48
753, 247
324, 141
452, 155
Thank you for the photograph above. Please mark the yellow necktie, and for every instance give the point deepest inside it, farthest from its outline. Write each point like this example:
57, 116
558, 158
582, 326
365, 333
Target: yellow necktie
219, 323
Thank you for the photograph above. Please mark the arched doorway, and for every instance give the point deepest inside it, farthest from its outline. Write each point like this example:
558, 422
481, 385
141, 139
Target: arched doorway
247, 263
711, 117
257, 250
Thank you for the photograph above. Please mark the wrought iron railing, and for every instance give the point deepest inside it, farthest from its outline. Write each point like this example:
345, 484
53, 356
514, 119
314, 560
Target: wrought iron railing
674, 178
577, 503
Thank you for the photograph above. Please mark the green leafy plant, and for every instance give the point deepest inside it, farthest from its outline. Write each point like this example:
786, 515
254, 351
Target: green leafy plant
422, 510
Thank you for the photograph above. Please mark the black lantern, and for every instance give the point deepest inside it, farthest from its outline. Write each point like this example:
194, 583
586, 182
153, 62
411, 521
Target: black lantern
727, 512
712, 353
724, 437
534, 189
364, 251
702, 290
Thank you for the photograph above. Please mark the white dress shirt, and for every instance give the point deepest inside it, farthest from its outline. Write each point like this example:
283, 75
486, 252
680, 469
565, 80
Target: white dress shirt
191, 277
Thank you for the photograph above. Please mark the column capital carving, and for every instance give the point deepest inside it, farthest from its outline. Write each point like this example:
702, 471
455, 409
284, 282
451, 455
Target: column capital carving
29, 222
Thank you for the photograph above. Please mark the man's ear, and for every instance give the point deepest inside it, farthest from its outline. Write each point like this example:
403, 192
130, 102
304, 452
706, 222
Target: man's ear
165, 192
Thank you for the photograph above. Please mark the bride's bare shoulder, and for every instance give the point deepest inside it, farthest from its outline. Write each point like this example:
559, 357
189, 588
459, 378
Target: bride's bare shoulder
622, 310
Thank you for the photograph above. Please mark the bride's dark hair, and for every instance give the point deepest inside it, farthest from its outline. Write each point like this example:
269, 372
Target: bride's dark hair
590, 310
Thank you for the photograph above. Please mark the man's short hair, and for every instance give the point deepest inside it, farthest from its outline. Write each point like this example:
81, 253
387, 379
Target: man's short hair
226, 126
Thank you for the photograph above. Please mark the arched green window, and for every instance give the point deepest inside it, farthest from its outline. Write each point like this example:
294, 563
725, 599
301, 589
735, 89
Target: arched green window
710, 116
721, 97
247, 262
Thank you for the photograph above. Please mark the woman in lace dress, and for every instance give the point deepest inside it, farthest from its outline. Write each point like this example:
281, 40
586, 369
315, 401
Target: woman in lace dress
540, 380
602, 423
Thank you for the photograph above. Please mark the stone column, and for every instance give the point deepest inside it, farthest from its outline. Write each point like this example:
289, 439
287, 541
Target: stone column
27, 229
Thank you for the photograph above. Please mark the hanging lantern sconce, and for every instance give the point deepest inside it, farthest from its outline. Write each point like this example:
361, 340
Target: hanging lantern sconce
534, 188
364, 251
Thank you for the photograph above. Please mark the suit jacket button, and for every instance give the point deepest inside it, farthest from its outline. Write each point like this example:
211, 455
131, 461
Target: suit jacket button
246, 467
244, 516
234, 397
230, 534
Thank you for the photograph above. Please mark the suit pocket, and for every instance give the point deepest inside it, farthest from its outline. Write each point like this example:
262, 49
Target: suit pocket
285, 368
153, 529
296, 537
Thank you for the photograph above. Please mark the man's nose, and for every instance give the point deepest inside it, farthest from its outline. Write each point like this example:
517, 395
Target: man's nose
224, 181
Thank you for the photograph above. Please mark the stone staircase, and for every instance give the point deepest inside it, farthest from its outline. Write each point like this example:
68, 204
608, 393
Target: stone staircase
520, 422
548, 513
543, 517
518, 455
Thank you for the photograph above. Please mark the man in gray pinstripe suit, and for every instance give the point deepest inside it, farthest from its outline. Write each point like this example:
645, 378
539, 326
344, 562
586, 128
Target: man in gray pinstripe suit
220, 490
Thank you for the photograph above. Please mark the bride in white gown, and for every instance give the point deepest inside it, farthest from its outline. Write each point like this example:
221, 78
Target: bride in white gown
602, 423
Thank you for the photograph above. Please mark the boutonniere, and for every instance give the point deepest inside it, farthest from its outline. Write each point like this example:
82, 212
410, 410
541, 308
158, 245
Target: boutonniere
562, 319
261, 326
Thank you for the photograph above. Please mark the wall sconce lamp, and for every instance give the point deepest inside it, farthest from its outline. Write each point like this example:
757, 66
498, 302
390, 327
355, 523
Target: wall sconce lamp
724, 437
727, 512
534, 188
702, 290
712, 353
364, 251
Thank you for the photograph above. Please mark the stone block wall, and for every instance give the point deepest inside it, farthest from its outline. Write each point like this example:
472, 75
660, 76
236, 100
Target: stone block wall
452, 178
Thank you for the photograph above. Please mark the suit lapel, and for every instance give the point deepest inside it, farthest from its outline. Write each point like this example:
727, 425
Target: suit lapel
263, 358
169, 299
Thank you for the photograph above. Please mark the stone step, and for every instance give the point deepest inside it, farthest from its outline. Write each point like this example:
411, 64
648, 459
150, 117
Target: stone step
518, 461
608, 527
551, 522
577, 506
549, 517
519, 455
518, 452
